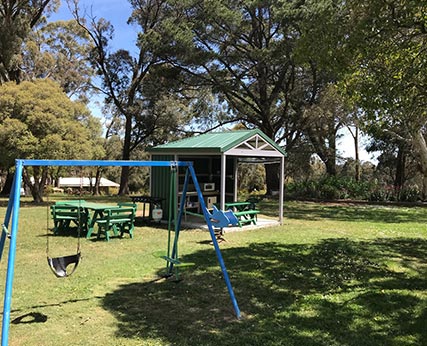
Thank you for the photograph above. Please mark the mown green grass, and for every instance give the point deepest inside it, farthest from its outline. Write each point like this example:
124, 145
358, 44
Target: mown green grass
330, 275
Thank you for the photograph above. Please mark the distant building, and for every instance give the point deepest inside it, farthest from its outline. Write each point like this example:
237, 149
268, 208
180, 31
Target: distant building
71, 184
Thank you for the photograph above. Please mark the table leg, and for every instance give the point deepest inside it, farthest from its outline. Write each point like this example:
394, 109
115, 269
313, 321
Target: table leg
91, 223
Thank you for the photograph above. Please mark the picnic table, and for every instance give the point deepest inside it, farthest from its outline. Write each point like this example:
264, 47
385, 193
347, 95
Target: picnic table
94, 213
117, 219
64, 215
245, 211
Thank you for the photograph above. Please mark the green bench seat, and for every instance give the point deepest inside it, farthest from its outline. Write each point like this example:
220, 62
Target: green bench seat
247, 216
64, 215
118, 220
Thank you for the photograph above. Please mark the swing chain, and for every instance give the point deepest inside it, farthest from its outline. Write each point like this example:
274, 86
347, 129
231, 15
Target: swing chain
5, 230
59, 265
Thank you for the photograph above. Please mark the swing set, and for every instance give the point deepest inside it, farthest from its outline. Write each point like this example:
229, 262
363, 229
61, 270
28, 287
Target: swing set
59, 264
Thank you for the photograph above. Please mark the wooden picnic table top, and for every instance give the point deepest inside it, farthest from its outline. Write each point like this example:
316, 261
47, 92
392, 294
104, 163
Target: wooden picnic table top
89, 205
99, 206
235, 204
240, 205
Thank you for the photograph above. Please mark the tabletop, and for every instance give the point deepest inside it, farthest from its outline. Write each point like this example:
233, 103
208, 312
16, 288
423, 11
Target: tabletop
240, 206
89, 205
236, 204
98, 206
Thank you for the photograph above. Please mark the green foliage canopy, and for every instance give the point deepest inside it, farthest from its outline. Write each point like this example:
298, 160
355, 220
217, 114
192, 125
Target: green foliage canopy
59, 51
17, 19
266, 60
389, 75
40, 121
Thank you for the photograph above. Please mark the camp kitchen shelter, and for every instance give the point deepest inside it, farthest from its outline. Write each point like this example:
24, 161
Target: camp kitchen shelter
215, 158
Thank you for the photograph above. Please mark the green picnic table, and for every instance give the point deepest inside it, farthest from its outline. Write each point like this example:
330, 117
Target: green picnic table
95, 212
245, 211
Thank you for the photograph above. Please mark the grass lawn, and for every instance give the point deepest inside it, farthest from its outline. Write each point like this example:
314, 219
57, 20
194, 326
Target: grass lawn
332, 275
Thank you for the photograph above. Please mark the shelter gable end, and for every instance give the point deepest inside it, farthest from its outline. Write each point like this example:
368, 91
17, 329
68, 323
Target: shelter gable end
254, 145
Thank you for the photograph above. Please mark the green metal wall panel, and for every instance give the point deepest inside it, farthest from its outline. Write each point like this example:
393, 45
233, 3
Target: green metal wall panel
207, 169
160, 182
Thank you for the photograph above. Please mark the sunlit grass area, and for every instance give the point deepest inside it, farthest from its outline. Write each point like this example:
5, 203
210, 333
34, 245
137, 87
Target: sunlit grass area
330, 275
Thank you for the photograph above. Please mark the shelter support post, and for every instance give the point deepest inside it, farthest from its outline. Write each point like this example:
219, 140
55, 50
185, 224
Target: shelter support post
223, 172
236, 180
281, 188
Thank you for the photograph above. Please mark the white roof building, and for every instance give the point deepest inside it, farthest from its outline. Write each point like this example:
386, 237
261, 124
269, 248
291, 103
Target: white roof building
85, 182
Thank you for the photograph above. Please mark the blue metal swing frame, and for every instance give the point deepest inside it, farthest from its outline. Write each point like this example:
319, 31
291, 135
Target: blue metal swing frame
12, 217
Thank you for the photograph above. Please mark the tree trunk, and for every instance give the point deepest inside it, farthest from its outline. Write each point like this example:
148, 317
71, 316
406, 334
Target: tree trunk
95, 191
7, 187
331, 167
36, 186
327, 153
35, 190
421, 148
399, 179
356, 155
124, 182
331, 151
124, 178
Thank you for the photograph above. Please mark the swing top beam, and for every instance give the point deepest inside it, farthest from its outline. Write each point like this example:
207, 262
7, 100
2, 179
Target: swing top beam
104, 163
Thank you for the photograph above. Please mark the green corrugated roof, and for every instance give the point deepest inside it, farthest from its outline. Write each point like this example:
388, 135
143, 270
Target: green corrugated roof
213, 142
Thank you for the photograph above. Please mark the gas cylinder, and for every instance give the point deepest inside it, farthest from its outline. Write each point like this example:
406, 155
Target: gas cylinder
157, 213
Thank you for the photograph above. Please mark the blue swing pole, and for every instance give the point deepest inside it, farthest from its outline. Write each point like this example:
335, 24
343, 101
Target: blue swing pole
190, 172
5, 224
215, 243
12, 251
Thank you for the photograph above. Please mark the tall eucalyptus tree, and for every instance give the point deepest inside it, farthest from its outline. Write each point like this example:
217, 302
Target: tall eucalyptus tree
17, 19
132, 84
258, 56
389, 78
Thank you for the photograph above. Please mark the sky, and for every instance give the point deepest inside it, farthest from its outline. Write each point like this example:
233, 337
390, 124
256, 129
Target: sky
118, 12
345, 146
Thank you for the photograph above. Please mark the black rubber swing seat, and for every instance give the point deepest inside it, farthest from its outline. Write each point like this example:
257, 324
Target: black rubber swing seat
59, 264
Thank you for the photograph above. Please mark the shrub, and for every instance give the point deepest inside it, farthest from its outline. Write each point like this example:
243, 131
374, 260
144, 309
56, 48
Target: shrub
409, 194
329, 188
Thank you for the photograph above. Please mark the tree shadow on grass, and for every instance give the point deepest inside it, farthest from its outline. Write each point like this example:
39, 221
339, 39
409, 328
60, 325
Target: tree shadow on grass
336, 292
